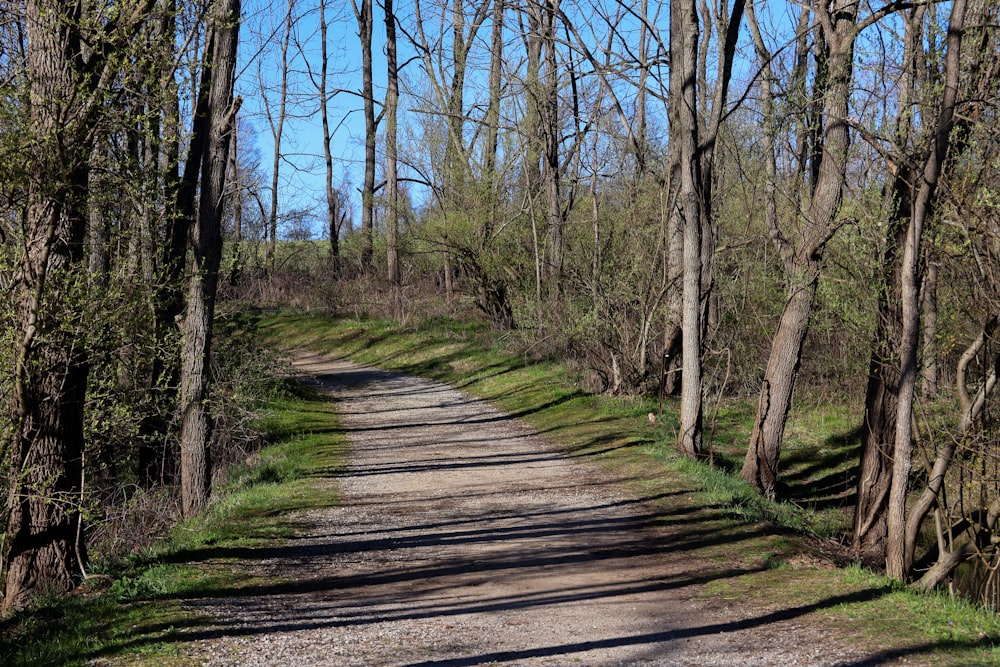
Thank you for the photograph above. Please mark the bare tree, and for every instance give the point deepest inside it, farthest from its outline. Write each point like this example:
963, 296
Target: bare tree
219, 110
391, 151
802, 253
363, 14
901, 535
276, 121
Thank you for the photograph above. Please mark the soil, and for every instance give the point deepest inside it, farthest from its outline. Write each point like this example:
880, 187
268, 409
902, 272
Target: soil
463, 538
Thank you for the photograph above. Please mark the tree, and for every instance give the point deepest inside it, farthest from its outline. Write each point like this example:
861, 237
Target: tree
901, 535
363, 14
277, 125
692, 165
216, 112
391, 161
878, 430
802, 243
44, 444
683, 116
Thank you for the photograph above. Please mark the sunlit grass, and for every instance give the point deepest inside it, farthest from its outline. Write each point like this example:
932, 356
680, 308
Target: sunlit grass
132, 613
767, 549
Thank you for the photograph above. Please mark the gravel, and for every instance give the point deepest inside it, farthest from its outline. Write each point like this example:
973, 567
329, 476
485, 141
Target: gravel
466, 539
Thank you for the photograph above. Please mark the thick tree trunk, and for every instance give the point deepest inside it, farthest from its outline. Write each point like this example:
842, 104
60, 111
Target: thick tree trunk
44, 444
206, 246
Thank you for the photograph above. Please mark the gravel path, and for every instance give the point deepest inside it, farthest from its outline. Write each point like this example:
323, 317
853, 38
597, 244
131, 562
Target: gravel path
464, 539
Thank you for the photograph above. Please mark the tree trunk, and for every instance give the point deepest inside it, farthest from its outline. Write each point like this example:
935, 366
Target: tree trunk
684, 130
899, 550
551, 164
157, 460
363, 14
277, 134
333, 214
44, 444
206, 247
802, 258
881, 397
929, 354
760, 466
391, 180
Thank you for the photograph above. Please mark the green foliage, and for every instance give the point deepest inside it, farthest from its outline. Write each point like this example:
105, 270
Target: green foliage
132, 608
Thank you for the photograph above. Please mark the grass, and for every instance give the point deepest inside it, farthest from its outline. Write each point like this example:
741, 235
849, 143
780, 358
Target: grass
762, 555
139, 618
768, 555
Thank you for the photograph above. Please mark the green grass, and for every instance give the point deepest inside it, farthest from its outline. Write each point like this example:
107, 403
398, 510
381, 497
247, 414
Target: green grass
767, 554
758, 554
139, 619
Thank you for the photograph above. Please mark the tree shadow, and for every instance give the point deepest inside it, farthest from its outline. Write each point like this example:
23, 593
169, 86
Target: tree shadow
823, 476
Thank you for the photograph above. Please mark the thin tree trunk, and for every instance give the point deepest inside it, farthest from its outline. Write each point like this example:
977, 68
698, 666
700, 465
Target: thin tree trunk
493, 122
899, 551
551, 165
277, 134
332, 197
363, 14
391, 179
929, 356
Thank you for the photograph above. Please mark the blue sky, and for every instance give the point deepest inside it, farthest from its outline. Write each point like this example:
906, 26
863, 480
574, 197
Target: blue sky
302, 170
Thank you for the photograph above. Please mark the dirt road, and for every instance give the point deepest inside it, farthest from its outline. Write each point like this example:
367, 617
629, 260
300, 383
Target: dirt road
464, 539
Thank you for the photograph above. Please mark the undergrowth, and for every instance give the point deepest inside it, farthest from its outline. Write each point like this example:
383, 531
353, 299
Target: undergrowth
130, 610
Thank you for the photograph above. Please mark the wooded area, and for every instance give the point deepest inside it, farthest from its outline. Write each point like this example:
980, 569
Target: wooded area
703, 202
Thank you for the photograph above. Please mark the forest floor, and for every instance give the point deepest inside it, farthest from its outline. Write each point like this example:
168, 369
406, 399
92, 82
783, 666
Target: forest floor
464, 538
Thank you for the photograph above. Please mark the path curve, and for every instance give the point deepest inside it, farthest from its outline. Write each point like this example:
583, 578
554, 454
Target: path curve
464, 539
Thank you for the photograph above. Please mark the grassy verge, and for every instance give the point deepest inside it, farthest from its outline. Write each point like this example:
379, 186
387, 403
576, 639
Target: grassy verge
134, 613
765, 556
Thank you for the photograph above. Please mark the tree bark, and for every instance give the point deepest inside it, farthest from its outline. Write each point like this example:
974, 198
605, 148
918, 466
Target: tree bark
929, 354
802, 259
899, 550
333, 213
391, 179
551, 164
363, 14
206, 254
44, 445
684, 131
277, 134
882, 394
